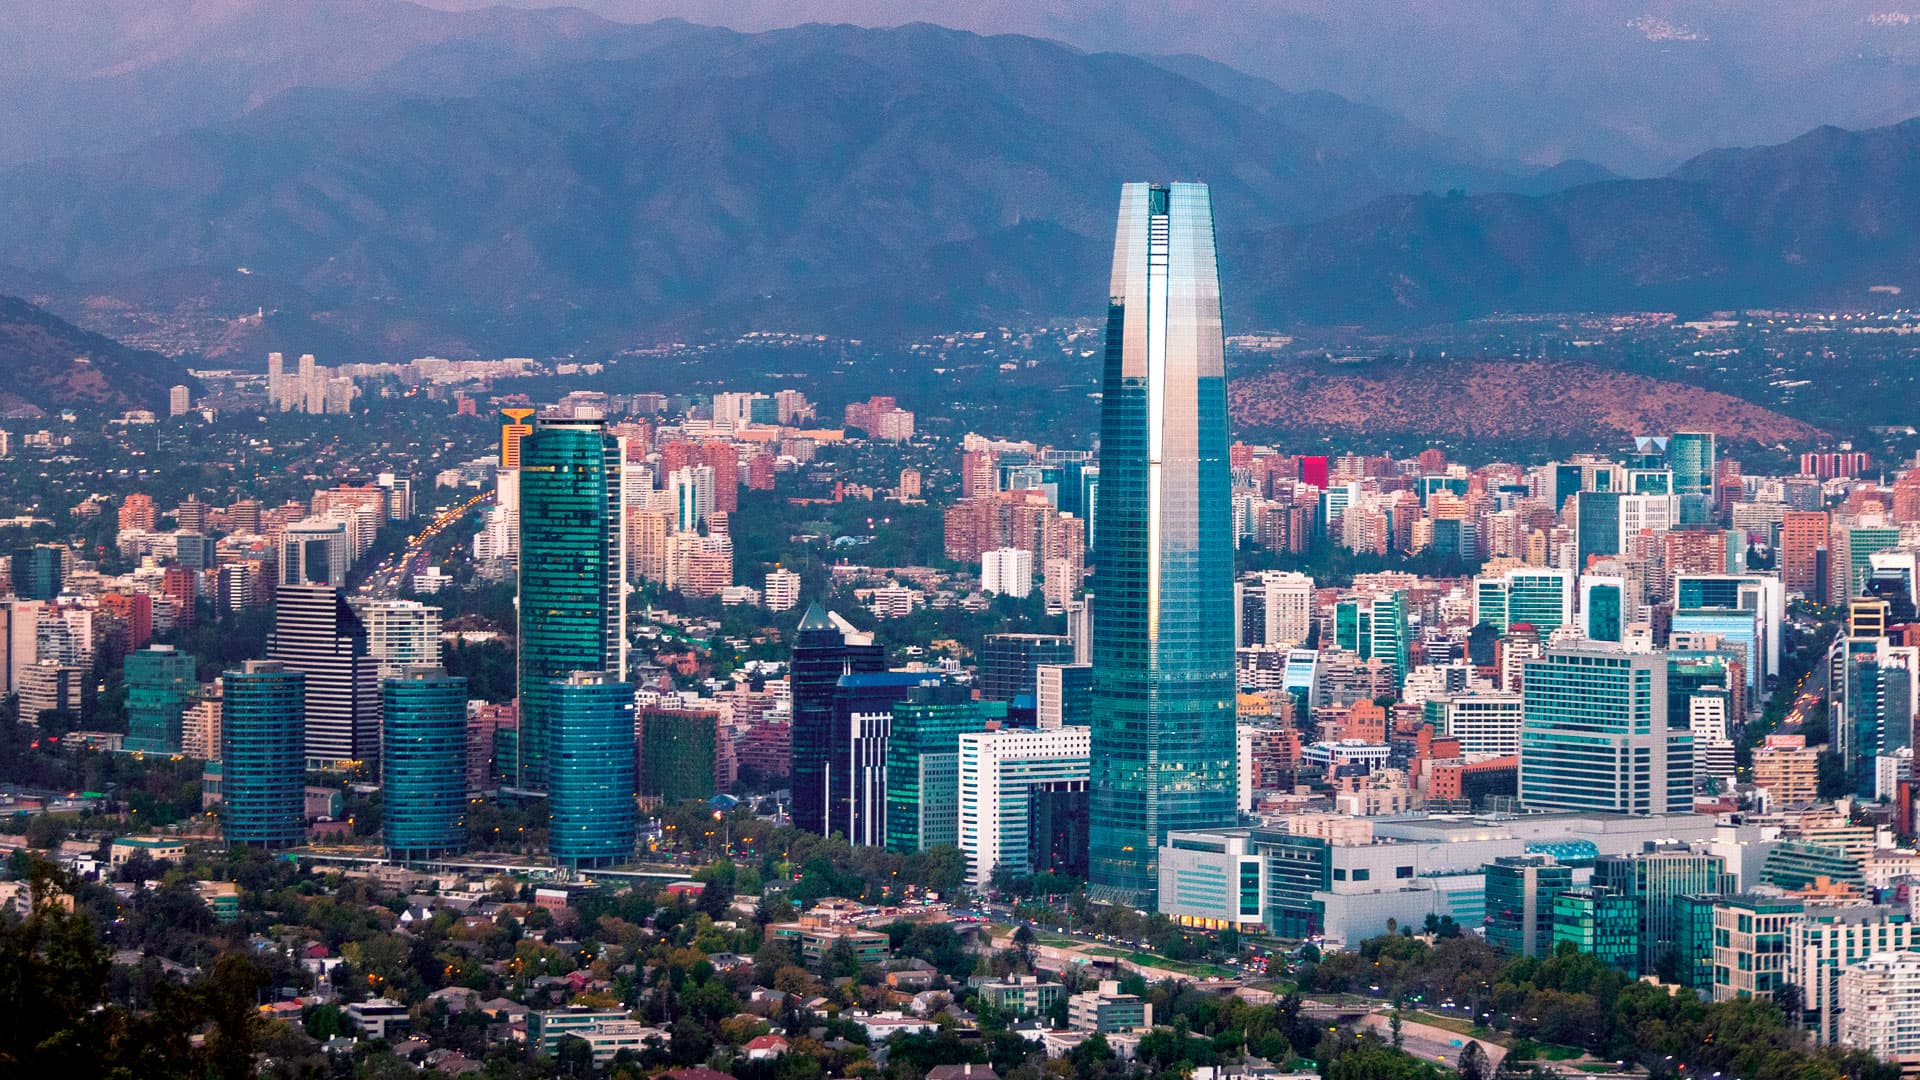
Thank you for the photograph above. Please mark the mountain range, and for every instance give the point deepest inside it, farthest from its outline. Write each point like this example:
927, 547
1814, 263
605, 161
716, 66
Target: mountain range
558, 184
1638, 85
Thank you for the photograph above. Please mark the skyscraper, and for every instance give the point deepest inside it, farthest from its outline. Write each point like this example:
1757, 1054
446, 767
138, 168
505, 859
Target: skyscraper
824, 649
317, 633
1595, 737
573, 595
923, 763
424, 762
316, 551
1163, 719
590, 743
1010, 663
160, 683
261, 780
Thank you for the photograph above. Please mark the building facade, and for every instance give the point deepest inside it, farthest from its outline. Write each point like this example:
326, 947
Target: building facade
1163, 720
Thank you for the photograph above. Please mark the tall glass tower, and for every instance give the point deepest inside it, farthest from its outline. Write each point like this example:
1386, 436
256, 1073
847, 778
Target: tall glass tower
573, 595
591, 737
424, 762
1163, 682
263, 784
160, 683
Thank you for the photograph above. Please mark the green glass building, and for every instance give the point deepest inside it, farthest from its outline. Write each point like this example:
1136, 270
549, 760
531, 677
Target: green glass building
572, 606
160, 684
591, 797
1163, 750
1540, 598
1603, 602
1656, 880
678, 749
1521, 890
1601, 923
1690, 455
424, 763
263, 755
923, 764
1387, 629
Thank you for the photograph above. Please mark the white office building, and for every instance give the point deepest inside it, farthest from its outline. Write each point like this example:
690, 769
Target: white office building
1487, 724
998, 770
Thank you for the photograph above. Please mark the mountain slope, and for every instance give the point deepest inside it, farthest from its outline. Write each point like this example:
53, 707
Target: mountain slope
1819, 220
1491, 402
48, 364
707, 178
104, 75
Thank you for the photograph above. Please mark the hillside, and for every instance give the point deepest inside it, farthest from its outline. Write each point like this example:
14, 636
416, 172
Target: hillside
48, 364
1493, 401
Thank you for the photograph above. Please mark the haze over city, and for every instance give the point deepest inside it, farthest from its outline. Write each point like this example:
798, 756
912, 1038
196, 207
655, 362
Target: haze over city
1229, 540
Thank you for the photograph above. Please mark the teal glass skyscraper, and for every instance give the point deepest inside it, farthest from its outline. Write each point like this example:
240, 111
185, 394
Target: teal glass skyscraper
1163, 711
263, 780
591, 801
159, 684
424, 762
573, 606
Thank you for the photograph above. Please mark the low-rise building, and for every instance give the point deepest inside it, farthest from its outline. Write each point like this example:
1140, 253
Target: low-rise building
377, 1018
1107, 1009
159, 849
1022, 995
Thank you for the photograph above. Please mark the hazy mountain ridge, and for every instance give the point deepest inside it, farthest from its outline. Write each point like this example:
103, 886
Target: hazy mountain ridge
712, 176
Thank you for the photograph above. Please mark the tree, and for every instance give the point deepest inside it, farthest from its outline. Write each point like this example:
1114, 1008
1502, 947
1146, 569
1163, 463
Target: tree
1473, 1063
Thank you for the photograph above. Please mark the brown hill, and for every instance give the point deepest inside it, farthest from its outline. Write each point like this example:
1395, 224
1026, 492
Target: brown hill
1493, 400
47, 365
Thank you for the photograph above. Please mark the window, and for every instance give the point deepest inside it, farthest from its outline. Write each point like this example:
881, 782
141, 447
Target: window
1403, 871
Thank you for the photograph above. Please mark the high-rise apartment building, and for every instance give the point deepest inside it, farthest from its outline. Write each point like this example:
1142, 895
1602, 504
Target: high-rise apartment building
1595, 735
1829, 941
401, 634
423, 779
1878, 1000
1803, 552
1163, 720
1273, 607
573, 590
262, 778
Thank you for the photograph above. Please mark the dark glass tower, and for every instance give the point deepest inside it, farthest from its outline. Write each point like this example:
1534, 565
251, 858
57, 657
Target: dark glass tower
159, 684
263, 784
1163, 714
822, 652
573, 596
424, 762
591, 798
